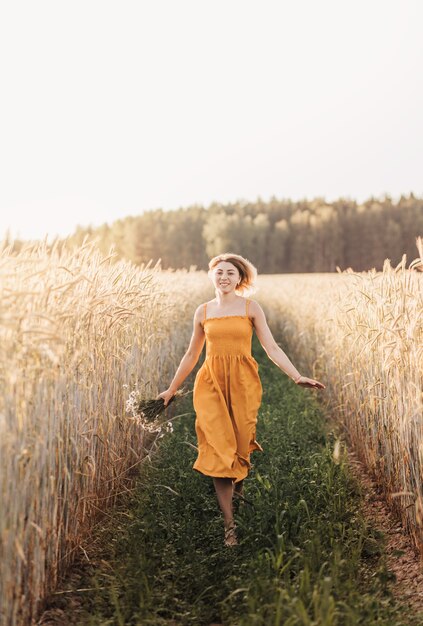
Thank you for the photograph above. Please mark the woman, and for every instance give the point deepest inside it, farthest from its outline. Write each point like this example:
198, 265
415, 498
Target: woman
227, 388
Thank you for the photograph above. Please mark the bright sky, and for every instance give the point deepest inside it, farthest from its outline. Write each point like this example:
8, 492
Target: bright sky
109, 109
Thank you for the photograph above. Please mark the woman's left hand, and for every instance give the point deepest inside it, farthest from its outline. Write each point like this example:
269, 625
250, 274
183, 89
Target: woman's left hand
310, 382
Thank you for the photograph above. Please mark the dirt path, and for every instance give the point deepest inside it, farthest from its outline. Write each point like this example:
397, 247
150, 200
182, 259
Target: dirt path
407, 566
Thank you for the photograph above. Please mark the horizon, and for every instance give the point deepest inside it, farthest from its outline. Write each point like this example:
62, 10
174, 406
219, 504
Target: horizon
8, 234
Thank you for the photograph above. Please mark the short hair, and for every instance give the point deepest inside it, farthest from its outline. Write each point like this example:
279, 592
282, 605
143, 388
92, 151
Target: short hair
247, 271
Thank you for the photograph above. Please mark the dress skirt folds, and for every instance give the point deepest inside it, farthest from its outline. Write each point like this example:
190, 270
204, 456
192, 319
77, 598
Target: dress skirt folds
226, 397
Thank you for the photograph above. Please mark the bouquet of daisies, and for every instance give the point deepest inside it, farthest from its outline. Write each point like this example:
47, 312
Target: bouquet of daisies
147, 411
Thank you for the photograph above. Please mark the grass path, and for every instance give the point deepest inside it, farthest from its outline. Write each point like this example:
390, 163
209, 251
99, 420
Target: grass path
306, 556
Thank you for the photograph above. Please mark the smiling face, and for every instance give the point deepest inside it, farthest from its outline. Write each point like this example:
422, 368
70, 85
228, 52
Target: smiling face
225, 276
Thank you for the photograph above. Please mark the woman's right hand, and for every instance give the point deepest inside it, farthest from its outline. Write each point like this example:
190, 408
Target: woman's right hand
166, 395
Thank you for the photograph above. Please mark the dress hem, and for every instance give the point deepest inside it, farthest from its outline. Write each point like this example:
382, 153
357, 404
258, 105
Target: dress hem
235, 478
225, 475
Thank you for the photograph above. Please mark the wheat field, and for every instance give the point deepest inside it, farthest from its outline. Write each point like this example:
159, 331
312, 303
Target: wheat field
79, 330
362, 335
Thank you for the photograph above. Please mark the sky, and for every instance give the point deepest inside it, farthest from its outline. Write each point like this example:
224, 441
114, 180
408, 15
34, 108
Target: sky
110, 109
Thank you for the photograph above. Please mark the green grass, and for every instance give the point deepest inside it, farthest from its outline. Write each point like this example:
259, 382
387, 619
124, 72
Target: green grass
306, 556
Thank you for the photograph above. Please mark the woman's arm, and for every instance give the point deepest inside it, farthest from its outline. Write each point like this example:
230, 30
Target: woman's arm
274, 352
190, 357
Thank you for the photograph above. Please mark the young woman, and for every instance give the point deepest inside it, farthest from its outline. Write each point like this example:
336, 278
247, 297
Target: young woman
227, 388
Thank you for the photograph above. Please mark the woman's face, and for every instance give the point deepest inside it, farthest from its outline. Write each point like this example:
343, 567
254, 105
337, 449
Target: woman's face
225, 276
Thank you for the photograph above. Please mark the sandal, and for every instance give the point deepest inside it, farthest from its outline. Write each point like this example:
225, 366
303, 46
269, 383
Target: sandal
230, 535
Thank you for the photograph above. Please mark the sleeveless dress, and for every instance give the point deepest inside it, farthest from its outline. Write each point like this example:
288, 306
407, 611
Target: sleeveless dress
227, 394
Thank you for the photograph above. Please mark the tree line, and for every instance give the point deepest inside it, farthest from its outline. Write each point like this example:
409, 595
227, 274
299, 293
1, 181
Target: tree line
278, 236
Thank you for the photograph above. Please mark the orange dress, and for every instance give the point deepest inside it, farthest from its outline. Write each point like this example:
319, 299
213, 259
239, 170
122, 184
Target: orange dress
227, 394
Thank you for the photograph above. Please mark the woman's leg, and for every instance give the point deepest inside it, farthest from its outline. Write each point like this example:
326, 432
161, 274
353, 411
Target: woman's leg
224, 492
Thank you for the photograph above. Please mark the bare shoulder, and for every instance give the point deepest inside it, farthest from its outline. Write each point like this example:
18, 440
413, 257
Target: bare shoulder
255, 309
200, 308
199, 313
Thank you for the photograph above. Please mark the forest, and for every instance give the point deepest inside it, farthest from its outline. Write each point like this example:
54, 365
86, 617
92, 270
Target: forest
278, 236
